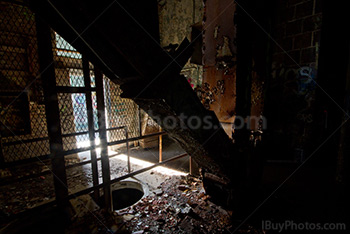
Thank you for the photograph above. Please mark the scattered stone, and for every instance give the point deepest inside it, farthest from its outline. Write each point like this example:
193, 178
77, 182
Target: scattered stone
158, 192
138, 232
182, 187
128, 217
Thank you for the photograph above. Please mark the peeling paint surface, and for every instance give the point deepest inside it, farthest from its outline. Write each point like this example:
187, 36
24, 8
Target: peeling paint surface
175, 20
218, 25
219, 56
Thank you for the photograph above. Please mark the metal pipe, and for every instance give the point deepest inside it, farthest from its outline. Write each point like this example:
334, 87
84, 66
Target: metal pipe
83, 133
127, 148
160, 146
136, 138
91, 126
103, 140
147, 168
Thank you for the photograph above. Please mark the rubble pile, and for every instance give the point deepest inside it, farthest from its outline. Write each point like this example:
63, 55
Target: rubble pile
23, 195
177, 206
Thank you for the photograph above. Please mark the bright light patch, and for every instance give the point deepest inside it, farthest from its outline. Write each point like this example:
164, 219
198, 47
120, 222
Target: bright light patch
159, 169
83, 144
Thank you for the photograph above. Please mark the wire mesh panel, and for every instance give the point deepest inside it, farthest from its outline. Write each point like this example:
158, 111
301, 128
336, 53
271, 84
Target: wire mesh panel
120, 112
23, 121
72, 106
73, 116
23, 126
73, 112
22, 112
68, 63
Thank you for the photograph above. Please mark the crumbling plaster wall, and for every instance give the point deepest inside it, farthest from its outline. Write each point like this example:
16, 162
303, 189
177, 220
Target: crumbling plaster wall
219, 60
175, 20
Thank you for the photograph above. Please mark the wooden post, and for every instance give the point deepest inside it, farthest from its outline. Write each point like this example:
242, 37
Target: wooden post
190, 165
48, 79
103, 140
160, 146
91, 127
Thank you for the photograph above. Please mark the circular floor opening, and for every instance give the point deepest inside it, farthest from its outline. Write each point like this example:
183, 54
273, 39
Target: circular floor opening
126, 193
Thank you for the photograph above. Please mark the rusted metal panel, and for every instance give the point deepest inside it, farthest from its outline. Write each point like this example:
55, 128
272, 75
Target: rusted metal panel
219, 59
158, 88
219, 31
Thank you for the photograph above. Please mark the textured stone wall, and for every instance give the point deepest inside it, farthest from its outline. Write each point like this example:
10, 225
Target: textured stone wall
296, 31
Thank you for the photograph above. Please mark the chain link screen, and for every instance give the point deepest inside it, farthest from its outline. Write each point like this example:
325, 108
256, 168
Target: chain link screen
23, 121
22, 111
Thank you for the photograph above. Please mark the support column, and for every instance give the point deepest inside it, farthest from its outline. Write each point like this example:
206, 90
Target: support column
103, 140
160, 146
48, 79
91, 127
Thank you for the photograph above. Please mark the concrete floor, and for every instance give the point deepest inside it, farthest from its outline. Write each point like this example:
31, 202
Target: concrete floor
26, 194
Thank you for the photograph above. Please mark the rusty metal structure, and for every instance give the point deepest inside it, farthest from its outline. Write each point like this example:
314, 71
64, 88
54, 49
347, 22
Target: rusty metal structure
55, 104
147, 73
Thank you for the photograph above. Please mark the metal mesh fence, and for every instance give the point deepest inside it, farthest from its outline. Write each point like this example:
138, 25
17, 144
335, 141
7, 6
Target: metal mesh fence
73, 111
23, 122
120, 112
24, 132
22, 112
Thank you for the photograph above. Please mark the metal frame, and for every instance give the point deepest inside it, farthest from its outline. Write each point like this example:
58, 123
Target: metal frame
55, 136
91, 127
91, 189
4, 182
48, 79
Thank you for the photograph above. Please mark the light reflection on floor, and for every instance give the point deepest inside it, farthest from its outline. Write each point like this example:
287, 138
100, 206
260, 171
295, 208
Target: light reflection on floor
160, 169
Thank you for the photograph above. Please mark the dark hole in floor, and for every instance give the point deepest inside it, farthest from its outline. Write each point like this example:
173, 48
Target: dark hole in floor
125, 197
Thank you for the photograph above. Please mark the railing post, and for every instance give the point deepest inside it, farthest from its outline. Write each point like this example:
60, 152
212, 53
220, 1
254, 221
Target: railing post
127, 148
103, 140
190, 165
91, 127
140, 121
160, 146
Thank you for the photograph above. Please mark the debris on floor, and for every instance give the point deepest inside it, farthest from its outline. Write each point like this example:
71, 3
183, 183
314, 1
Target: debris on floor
177, 206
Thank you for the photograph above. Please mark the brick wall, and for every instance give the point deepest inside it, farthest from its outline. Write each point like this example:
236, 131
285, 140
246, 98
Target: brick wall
291, 92
297, 31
